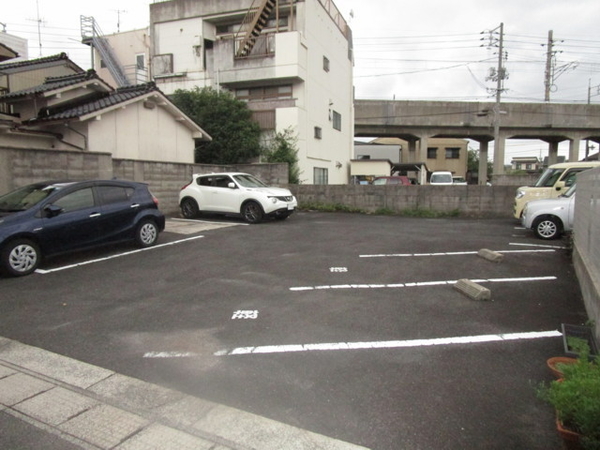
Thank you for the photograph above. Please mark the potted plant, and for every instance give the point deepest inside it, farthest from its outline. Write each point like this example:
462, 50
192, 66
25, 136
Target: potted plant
556, 364
576, 398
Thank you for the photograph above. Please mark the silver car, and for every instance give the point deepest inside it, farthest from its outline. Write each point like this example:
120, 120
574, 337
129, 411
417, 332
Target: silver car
550, 218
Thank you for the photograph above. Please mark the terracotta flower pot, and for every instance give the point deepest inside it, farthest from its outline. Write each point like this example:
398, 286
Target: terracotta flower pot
553, 363
571, 439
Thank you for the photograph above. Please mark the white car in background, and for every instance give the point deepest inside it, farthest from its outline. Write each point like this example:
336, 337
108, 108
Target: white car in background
441, 178
550, 218
235, 193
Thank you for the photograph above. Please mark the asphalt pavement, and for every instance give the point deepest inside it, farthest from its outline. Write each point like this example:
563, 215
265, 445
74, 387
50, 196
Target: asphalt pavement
327, 330
52, 402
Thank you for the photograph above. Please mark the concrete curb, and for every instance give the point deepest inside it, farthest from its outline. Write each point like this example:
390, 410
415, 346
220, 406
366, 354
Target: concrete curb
98, 408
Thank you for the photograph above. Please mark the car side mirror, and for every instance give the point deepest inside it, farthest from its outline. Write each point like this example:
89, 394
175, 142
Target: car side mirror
52, 211
231, 185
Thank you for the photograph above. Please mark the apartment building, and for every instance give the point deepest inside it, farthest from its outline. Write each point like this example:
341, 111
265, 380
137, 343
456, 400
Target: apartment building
291, 60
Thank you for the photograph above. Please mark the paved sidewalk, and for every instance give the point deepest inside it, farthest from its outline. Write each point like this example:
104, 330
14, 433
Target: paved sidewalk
63, 403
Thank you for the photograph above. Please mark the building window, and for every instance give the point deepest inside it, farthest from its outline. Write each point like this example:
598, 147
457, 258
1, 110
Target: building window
140, 62
336, 118
431, 152
320, 175
265, 93
318, 133
452, 152
325, 64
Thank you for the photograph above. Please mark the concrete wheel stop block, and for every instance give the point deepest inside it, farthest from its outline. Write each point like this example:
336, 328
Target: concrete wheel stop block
490, 255
472, 289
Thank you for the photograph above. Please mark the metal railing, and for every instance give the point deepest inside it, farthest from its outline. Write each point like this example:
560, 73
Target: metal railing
92, 35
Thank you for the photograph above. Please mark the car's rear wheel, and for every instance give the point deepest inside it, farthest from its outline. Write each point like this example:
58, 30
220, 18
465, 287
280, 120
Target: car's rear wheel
252, 212
547, 227
20, 257
189, 208
146, 233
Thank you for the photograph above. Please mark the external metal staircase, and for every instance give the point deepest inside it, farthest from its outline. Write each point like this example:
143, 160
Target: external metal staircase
254, 22
93, 36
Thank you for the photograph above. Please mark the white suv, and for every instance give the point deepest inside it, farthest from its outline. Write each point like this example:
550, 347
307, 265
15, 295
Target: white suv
549, 218
235, 193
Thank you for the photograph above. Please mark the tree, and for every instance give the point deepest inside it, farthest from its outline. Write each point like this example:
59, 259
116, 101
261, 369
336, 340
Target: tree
282, 148
235, 136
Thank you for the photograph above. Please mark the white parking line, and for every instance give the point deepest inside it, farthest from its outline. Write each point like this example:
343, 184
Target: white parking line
395, 255
457, 340
560, 247
418, 283
92, 261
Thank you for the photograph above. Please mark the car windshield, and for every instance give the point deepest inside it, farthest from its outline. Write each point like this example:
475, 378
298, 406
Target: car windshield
26, 197
570, 191
549, 177
441, 178
249, 181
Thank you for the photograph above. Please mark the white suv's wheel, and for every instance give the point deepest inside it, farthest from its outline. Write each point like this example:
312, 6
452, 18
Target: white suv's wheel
252, 212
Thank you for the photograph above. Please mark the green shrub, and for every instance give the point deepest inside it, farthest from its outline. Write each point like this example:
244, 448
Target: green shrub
576, 398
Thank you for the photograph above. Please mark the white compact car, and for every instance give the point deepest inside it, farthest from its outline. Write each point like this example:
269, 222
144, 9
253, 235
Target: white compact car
441, 178
235, 193
550, 218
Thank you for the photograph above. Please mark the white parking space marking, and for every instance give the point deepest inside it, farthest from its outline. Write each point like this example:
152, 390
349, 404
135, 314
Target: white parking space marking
457, 340
405, 255
169, 355
417, 284
245, 314
559, 247
118, 255
338, 269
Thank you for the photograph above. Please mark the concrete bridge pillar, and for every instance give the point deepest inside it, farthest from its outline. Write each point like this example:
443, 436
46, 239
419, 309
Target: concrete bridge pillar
423, 144
499, 150
411, 156
483, 157
574, 149
553, 152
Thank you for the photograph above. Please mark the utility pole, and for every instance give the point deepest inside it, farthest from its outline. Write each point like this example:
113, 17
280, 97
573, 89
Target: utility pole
589, 100
548, 73
498, 75
552, 71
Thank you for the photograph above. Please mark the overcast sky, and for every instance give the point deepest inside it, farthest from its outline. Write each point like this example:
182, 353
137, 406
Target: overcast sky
418, 50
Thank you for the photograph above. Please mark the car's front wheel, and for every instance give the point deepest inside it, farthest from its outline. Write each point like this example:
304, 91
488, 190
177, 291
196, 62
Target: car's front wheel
252, 212
20, 257
189, 208
146, 233
548, 227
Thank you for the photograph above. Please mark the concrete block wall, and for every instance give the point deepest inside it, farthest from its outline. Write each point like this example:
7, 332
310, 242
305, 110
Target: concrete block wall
586, 249
19, 167
166, 179
515, 180
471, 201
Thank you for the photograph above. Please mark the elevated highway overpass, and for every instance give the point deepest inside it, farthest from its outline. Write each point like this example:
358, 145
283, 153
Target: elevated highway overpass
418, 121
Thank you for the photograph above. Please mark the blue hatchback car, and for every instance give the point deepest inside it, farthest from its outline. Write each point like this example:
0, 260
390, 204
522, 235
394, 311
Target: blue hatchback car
49, 218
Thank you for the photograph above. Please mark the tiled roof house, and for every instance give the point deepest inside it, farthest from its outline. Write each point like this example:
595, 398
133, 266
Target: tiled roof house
79, 111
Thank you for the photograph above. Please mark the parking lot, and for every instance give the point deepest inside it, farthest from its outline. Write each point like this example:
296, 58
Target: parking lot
346, 325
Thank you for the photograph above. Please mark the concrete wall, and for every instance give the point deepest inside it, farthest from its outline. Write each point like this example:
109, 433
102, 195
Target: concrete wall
515, 180
586, 252
20, 167
472, 200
